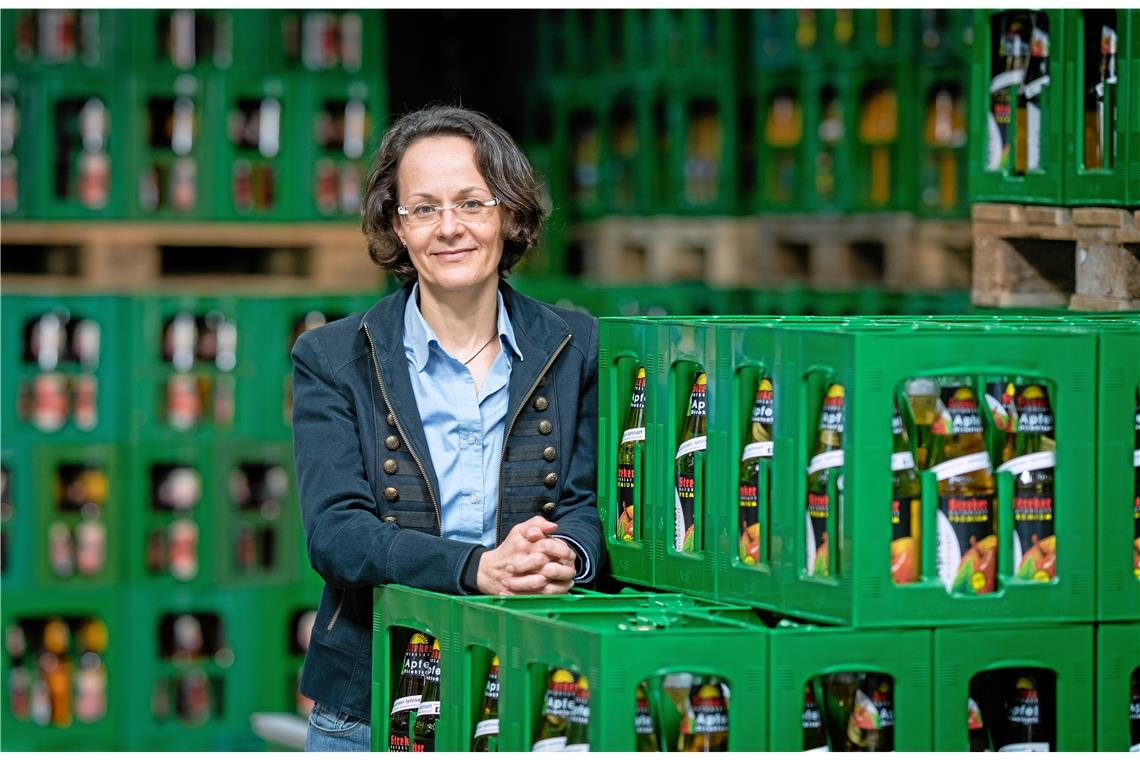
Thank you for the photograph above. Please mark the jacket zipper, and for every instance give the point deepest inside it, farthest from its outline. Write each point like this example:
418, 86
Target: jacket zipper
336, 614
412, 451
510, 427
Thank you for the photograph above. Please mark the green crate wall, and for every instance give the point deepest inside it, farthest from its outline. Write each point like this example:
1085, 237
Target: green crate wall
219, 41
16, 149
293, 37
1117, 660
803, 652
20, 368
941, 146
72, 194
944, 36
1114, 178
231, 647
885, 149
16, 519
579, 136
327, 99
698, 41
49, 511
277, 561
277, 156
149, 417
155, 154
782, 170
773, 38
628, 171
1118, 376
623, 345
147, 464
74, 608
285, 618
704, 166
96, 38
831, 101
870, 361
962, 653
1044, 185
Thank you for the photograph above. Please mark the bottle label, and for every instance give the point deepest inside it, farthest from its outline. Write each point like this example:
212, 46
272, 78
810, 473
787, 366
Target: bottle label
424, 743
902, 460
560, 696
710, 715
961, 413
684, 496
747, 500
626, 480
1136, 458
1025, 747
903, 551
831, 416
819, 507
637, 400
576, 748
962, 465
967, 546
489, 727
696, 443
762, 409
404, 704
1005, 80
973, 715
1034, 540
642, 720
427, 709
555, 744
825, 461
1039, 460
491, 691
1033, 412
632, 435
697, 398
757, 450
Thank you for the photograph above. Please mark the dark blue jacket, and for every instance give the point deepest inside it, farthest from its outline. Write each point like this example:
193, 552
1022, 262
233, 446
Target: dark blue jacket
369, 492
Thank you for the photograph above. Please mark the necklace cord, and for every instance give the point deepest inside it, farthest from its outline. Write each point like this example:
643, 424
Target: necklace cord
480, 350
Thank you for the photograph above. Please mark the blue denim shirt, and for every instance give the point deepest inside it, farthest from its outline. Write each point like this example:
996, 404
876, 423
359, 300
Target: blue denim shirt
464, 428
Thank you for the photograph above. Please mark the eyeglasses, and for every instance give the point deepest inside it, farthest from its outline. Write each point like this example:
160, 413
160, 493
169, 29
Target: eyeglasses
427, 214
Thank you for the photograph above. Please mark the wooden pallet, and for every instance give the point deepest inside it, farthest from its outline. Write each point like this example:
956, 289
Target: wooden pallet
128, 256
1083, 258
661, 249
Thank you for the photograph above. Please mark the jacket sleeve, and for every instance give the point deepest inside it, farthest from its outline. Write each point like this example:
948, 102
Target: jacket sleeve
348, 545
577, 512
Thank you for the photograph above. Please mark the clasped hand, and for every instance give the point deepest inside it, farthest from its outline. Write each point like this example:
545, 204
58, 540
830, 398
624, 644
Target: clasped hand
528, 561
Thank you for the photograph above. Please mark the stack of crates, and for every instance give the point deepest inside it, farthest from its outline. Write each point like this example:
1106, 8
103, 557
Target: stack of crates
1085, 618
1055, 117
147, 476
224, 115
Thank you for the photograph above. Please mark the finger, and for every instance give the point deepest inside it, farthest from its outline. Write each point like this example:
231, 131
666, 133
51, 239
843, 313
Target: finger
555, 571
528, 564
557, 588
556, 549
526, 584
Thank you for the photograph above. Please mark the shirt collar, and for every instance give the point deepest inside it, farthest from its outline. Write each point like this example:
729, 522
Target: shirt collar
418, 335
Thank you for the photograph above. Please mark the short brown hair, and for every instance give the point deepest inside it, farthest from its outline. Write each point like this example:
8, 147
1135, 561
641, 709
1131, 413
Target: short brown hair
499, 160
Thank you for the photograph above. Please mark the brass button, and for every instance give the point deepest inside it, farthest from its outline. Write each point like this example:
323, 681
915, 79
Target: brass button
549, 453
392, 442
391, 467
550, 479
541, 403
389, 519
391, 419
545, 427
548, 508
391, 494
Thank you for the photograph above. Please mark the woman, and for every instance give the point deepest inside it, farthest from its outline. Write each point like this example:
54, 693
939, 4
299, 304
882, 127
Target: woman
445, 439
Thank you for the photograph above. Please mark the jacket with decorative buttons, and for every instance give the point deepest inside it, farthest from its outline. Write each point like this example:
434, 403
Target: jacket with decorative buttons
368, 491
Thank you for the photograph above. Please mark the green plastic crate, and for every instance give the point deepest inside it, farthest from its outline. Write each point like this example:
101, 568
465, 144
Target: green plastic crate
871, 360
616, 650
168, 42
579, 136
19, 91
148, 465
256, 174
1036, 185
623, 345
336, 163
1117, 659
627, 170
1118, 375
941, 164
781, 138
51, 463
93, 184
885, 138
1109, 177
704, 144
773, 38
271, 525
155, 374
232, 644
21, 368
297, 40
830, 124
31, 609
17, 516
285, 618
798, 653
962, 653
170, 118
89, 40
944, 36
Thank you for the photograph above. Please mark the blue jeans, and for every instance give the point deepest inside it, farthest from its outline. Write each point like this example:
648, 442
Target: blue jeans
336, 732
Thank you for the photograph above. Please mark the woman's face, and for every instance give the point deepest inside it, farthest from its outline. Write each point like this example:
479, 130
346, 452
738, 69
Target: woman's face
452, 253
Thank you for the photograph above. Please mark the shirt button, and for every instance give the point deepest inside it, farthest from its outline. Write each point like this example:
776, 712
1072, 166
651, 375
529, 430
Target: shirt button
471, 440
472, 498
